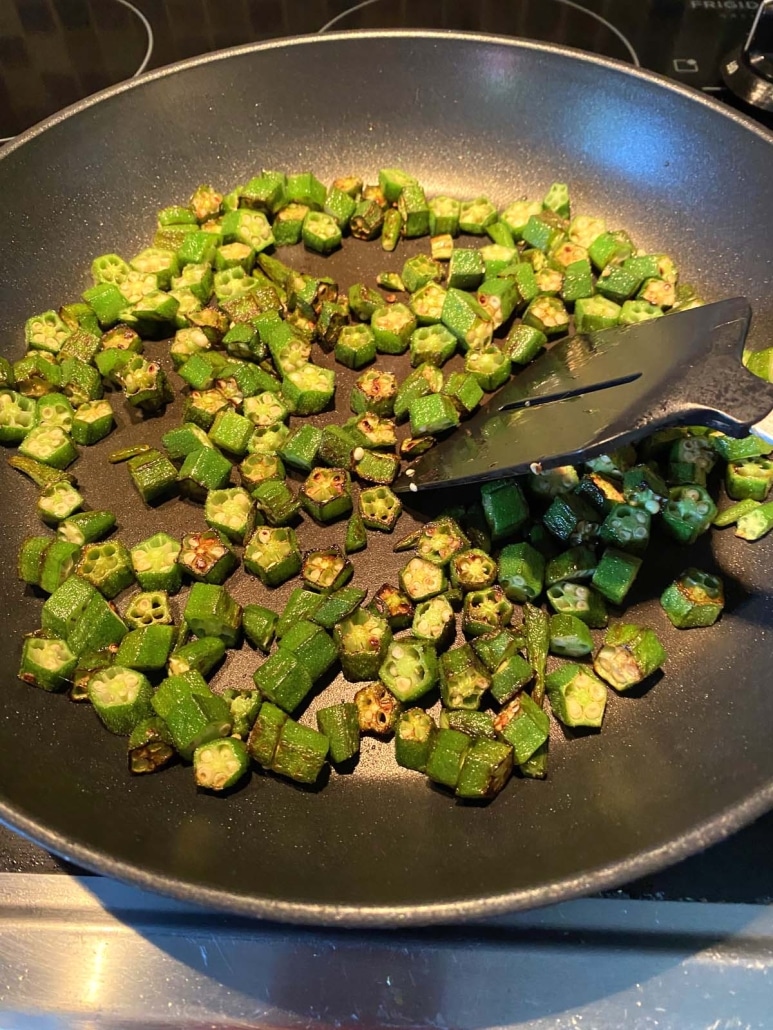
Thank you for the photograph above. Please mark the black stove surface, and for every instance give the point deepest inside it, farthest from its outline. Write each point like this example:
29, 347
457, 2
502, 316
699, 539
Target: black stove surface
54, 52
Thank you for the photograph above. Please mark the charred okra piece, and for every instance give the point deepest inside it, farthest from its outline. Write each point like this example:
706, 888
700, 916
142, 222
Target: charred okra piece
150, 746
577, 697
695, 598
326, 570
463, 679
300, 752
440, 540
487, 767
312, 646
338, 606
341, 725
485, 611
394, 605
377, 709
472, 569
272, 554
362, 641
421, 579
572, 520
628, 656
206, 557
644, 488
326, 494
379, 508
374, 391
414, 734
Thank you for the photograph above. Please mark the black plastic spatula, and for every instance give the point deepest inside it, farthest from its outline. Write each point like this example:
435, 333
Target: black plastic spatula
591, 393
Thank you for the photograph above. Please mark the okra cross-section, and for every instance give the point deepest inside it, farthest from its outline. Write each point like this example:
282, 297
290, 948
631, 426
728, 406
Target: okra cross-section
155, 565
273, 555
410, 669
440, 540
121, 697
362, 641
326, 570
220, 764
577, 697
377, 709
106, 566
47, 662
231, 512
206, 557
695, 598
628, 656
463, 679
379, 508
326, 494
485, 611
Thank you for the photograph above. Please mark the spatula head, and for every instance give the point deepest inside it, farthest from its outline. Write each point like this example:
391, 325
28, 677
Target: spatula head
590, 393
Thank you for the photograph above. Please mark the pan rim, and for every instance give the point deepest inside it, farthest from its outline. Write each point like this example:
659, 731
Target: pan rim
603, 877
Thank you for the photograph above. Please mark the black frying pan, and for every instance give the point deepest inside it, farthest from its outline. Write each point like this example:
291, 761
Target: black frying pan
674, 770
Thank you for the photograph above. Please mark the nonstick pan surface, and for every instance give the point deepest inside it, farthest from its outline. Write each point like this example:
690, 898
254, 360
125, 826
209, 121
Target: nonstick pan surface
675, 769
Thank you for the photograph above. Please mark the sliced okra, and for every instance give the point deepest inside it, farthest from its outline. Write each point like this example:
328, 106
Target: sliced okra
310, 645
273, 555
485, 611
379, 508
46, 662
107, 566
577, 697
521, 572
210, 611
578, 600
120, 697
206, 557
86, 527
259, 624
340, 724
434, 622
148, 608
326, 494
695, 598
57, 501
629, 655
155, 564
153, 475
326, 570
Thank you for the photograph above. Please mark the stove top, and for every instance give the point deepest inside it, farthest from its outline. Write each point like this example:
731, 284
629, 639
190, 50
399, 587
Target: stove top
54, 52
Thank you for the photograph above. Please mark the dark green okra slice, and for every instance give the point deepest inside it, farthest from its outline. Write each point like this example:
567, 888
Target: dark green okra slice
155, 565
432, 414
283, 680
504, 507
301, 604
148, 608
206, 557
628, 656
121, 697
259, 625
273, 555
46, 662
487, 767
210, 611
153, 475
615, 574
204, 469
377, 709
472, 569
107, 566
146, 649
485, 611
312, 646
264, 735
627, 528
338, 606
276, 503
695, 598
521, 572
495, 648
409, 669
300, 753
299, 450
149, 746
448, 750
524, 726
577, 563
569, 636
340, 724
572, 520
64, 607
424, 380
192, 713
434, 622
220, 764
577, 697
689, 512
509, 677
463, 679
414, 734
690, 460
600, 491
439, 540
474, 724
644, 488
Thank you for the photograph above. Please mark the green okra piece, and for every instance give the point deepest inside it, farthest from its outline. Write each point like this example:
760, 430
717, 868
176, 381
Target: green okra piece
273, 555
749, 478
57, 501
356, 538
309, 389
537, 629
377, 709
421, 579
504, 507
485, 611
689, 512
424, 380
231, 512
51, 565
615, 574
206, 557
54, 409
154, 562
97, 627
326, 494
277, 505
148, 608
414, 735
203, 469
432, 344
312, 646
439, 540
434, 622
201, 655
301, 604
374, 391
495, 648
628, 656
50, 445
62, 610
463, 679
340, 724
259, 626
283, 680
579, 600
627, 528
192, 713
569, 637
572, 520
46, 662
474, 724
257, 468
730, 516
510, 676
488, 765
300, 752
210, 611
645, 488
264, 736
338, 606
465, 269
120, 697
472, 569
363, 301
577, 697
231, 432
355, 346
409, 669
147, 648
524, 726
301, 448
600, 491
695, 598
145, 384
326, 570
475, 216
220, 764
521, 572
244, 706
379, 508
92, 422
107, 566
86, 527
152, 474
118, 457
447, 754
17, 416
577, 563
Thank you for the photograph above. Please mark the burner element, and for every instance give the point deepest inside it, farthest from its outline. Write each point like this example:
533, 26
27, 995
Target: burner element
55, 52
554, 21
